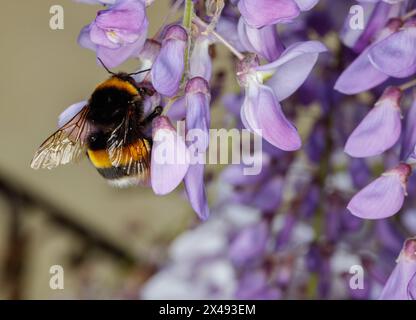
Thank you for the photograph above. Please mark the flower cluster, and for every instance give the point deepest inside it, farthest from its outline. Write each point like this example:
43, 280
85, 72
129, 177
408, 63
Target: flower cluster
301, 78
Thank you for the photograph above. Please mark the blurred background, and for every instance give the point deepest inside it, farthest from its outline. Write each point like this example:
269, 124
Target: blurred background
107, 240
285, 233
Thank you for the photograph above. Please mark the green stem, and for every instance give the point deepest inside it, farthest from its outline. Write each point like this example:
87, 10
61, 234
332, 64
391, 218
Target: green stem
408, 85
187, 24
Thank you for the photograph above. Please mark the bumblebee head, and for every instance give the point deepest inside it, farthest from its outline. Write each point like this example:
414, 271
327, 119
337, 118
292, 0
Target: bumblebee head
122, 75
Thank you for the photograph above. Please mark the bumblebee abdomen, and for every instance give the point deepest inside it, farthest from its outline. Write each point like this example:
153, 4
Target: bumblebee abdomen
131, 161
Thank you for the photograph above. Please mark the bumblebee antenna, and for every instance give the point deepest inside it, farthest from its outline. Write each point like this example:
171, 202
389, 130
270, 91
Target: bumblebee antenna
108, 70
138, 72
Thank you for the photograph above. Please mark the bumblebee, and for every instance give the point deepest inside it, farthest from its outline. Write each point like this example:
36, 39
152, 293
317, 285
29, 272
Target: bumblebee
110, 129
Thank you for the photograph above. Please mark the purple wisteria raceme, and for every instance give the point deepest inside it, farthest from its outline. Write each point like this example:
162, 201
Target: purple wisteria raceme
384, 196
169, 66
380, 129
401, 284
197, 99
169, 159
117, 33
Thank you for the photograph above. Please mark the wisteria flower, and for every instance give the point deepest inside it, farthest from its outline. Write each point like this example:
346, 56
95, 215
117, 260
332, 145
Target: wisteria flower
261, 111
197, 99
380, 129
169, 159
384, 196
117, 33
169, 65
401, 285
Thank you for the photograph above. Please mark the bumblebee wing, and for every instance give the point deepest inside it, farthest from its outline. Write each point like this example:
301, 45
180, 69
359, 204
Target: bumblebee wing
66, 145
129, 149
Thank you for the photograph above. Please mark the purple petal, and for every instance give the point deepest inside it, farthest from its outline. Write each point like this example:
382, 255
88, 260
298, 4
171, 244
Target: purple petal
395, 55
169, 65
70, 112
195, 190
262, 113
200, 64
264, 41
227, 28
401, 284
377, 132
306, 5
380, 199
125, 15
84, 39
177, 110
197, 109
293, 67
409, 137
169, 157
114, 57
259, 13
361, 75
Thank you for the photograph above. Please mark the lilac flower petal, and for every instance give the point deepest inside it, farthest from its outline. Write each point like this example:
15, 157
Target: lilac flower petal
100, 38
293, 67
264, 41
70, 112
360, 76
409, 138
401, 283
376, 133
114, 57
306, 5
84, 39
395, 55
125, 15
169, 65
177, 110
227, 28
262, 113
259, 13
200, 64
197, 109
380, 199
195, 190
169, 157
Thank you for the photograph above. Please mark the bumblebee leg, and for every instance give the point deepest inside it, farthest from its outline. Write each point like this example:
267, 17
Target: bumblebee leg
155, 113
